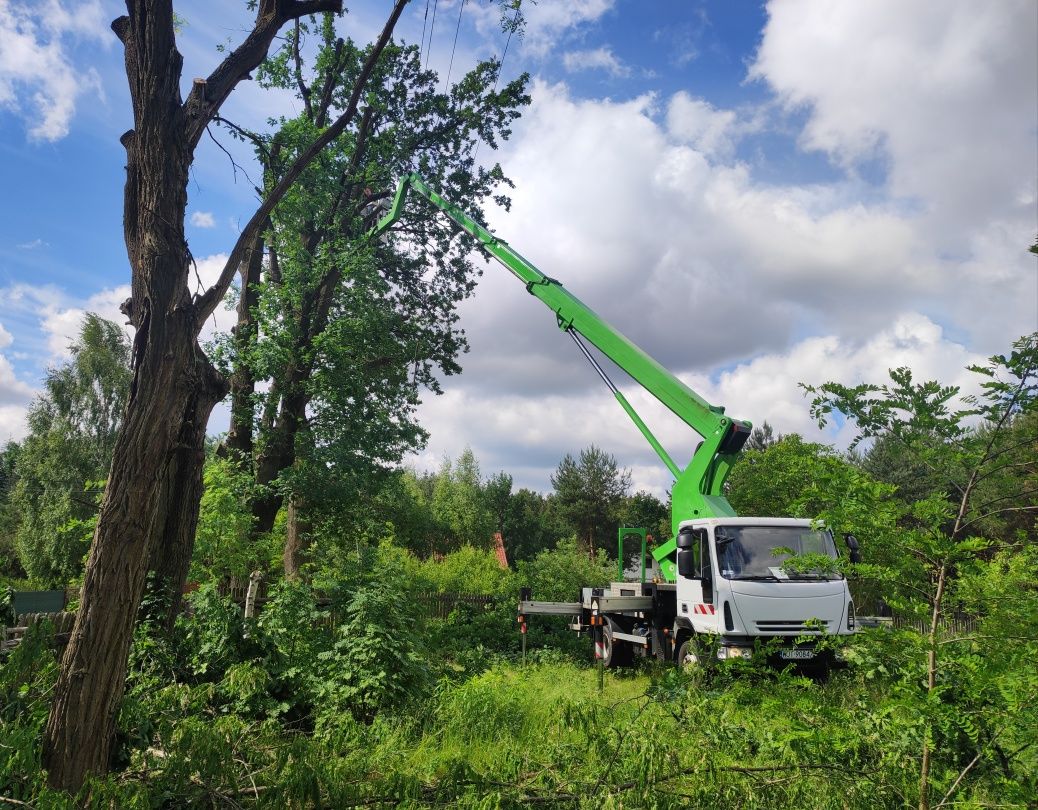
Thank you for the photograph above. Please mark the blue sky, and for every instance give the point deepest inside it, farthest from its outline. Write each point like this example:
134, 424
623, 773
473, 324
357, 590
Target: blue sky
758, 193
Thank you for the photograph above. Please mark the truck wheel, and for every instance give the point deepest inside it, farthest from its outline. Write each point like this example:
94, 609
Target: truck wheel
616, 653
689, 653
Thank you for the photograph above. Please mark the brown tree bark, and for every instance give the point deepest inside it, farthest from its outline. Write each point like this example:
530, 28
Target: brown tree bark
297, 538
174, 387
239, 441
179, 501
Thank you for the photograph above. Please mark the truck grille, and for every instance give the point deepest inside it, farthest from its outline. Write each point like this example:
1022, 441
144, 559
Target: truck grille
793, 626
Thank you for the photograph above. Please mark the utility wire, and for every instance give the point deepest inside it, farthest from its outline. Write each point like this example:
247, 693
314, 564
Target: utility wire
504, 53
501, 66
447, 84
425, 20
432, 28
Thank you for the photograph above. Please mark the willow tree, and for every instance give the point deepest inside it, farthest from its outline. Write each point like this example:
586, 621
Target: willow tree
348, 331
150, 505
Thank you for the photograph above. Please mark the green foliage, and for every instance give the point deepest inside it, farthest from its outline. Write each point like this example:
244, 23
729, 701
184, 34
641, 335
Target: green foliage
590, 491
26, 678
531, 525
360, 700
225, 544
559, 573
9, 565
543, 734
59, 467
375, 664
447, 510
928, 562
350, 330
460, 505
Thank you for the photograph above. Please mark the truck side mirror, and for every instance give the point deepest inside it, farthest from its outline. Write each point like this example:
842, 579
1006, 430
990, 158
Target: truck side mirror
853, 548
687, 538
687, 564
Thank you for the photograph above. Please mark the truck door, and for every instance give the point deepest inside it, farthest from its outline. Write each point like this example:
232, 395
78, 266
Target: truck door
695, 589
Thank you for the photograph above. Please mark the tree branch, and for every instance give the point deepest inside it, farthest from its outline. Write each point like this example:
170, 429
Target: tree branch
206, 97
252, 137
329, 85
212, 297
985, 516
304, 91
1020, 494
995, 470
234, 165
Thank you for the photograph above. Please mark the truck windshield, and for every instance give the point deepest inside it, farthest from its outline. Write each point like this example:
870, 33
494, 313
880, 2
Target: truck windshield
752, 552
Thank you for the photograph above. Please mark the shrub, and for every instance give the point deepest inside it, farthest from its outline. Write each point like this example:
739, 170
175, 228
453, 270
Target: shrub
376, 663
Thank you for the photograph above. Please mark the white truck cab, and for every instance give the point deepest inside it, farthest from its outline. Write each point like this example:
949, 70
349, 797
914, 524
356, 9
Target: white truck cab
731, 583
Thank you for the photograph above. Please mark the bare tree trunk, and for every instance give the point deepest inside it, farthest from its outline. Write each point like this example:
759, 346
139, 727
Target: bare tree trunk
239, 443
177, 517
169, 370
931, 684
297, 539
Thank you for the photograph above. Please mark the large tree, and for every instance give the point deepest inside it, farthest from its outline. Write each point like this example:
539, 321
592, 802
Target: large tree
590, 491
966, 443
150, 505
73, 426
348, 331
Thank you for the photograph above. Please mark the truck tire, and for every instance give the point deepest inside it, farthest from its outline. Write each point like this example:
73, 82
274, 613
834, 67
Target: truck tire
690, 653
617, 653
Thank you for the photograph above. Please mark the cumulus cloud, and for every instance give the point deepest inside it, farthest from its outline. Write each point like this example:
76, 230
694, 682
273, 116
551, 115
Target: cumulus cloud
742, 287
598, 59
697, 123
203, 219
941, 92
15, 395
58, 315
38, 80
548, 22
61, 322
50, 320
529, 436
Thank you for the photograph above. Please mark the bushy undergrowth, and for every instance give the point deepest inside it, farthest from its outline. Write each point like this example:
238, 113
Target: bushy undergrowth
365, 703
543, 734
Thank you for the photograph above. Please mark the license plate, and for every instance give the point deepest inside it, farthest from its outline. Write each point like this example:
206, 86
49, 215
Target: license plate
796, 655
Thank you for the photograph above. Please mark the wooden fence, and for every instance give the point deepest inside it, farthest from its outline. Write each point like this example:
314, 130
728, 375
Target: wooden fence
441, 605
432, 605
11, 637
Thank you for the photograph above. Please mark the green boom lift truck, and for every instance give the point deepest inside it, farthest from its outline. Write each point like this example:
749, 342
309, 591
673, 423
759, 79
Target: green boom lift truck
719, 577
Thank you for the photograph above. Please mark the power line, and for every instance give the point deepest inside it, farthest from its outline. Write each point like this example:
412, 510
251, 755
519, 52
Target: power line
447, 84
425, 20
432, 29
504, 53
501, 66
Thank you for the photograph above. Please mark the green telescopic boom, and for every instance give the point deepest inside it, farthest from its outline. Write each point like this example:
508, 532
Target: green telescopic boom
697, 491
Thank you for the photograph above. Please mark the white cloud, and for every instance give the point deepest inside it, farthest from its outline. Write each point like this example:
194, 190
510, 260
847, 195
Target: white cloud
203, 219
12, 390
38, 79
15, 395
32, 245
528, 436
58, 318
943, 92
697, 123
548, 22
62, 323
743, 288
599, 59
